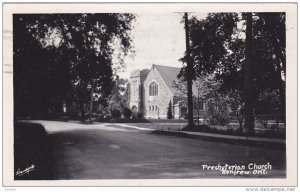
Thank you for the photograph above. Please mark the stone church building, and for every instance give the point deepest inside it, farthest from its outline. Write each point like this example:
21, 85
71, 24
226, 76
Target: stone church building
152, 93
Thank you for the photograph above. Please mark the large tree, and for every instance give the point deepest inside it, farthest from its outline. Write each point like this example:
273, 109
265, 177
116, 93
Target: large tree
220, 45
39, 77
81, 44
248, 73
205, 48
117, 98
269, 55
189, 74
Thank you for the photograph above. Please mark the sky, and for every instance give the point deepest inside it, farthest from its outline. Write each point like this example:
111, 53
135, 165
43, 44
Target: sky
158, 39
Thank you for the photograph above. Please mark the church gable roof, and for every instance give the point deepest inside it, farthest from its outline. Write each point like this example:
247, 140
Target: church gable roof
169, 75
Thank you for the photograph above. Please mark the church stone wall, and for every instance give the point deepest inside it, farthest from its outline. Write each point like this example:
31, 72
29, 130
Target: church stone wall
159, 103
135, 91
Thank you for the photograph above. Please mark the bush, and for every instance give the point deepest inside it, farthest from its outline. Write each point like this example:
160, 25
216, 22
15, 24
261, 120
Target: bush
218, 120
169, 114
200, 128
115, 113
140, 115
127, 113
217, 112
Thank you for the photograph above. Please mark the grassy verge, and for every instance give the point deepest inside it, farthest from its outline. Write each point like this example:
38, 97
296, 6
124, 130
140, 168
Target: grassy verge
161, 126
234, 130
231, 129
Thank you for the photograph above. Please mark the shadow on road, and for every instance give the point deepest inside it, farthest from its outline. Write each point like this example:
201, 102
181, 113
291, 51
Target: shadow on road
32, 152
77, 151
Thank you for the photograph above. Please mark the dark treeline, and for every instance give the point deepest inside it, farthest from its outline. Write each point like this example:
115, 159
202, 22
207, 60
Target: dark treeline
246, 53
64, 59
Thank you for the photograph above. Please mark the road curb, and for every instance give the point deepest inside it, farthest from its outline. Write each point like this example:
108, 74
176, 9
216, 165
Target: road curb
232, 139
238, 140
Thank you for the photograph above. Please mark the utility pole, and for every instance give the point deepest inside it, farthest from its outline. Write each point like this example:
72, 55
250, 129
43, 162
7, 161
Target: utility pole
189, 74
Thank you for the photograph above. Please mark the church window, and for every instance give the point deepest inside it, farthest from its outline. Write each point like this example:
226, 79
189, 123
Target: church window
155, 107
153, 89
152, 107
149, 108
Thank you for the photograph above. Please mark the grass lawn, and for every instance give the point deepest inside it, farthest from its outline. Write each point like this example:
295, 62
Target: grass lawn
231, 129
161, 126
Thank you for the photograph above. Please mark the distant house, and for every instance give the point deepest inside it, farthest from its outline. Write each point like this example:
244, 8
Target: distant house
152, 94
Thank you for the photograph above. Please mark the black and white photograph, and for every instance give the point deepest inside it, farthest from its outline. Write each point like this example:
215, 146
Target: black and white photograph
169, 92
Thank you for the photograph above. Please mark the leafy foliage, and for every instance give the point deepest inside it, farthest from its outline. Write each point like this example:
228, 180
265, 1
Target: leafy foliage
209, 39
217, 111
270, 55
204, 86
117, 98
218, 47
115, 113
127, 113
67, 56
268, 103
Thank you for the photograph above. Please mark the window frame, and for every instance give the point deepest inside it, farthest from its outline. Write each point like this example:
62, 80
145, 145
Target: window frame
153, 88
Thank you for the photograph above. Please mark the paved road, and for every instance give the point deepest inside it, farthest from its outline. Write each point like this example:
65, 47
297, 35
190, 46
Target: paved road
108, 151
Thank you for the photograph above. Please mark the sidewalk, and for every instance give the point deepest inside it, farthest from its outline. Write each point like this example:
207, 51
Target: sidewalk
217, 137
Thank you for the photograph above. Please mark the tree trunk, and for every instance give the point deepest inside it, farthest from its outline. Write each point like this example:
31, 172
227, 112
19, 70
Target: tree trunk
280, 59
281, 86
249, 84
189, 74
198, 110
81, 106
240, 118
81, 103
91, 104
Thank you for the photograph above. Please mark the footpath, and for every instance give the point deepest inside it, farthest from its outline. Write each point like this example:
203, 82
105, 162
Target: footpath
243, 140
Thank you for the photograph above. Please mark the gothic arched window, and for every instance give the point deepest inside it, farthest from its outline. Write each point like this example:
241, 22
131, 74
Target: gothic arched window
153, 89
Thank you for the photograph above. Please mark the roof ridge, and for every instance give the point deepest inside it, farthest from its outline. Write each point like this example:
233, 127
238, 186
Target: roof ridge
166, 66
167, 74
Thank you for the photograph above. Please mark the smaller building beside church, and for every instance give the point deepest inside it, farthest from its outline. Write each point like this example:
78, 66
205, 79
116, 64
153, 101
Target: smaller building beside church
152, 94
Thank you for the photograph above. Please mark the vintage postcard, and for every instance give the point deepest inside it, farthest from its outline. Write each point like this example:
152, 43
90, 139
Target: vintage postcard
150, 94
